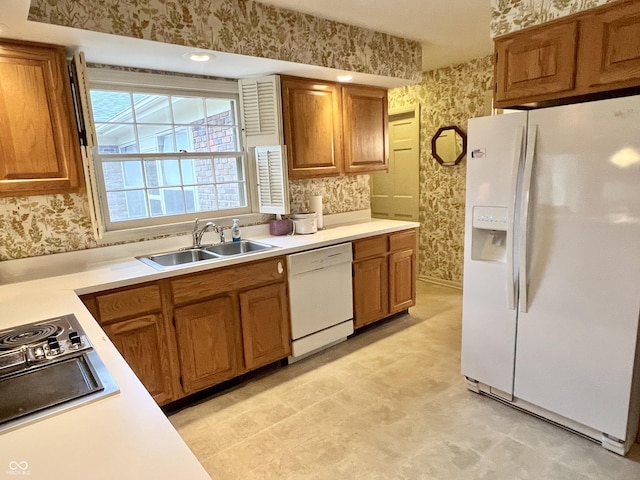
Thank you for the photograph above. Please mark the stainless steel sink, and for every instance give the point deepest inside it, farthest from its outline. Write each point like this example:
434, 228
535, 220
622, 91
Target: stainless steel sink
165, 260
236, 248
179, 257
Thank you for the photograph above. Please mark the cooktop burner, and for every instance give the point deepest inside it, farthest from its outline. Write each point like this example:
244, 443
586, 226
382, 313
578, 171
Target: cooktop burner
47, 367
28, 334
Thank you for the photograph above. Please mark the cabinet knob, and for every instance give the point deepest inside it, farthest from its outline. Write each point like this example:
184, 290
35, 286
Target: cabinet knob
280, 268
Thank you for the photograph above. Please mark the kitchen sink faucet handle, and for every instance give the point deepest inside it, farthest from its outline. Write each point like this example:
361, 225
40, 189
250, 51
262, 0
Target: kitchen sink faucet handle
220, 231
194, 233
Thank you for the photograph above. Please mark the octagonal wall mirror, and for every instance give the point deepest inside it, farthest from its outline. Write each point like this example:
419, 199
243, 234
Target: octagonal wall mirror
449, 145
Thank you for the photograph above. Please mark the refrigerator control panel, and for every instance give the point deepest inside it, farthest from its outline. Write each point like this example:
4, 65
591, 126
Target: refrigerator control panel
490, 218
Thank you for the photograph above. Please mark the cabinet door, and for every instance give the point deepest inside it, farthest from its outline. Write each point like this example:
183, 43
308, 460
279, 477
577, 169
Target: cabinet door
370, 290
207, 334
402, 280
609, 56
39, 144
536, 64
365, 126
265, 325
312, 127
143, 343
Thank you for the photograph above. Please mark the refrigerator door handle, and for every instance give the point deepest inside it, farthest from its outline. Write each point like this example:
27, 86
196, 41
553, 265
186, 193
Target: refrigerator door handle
511, 280
532, 134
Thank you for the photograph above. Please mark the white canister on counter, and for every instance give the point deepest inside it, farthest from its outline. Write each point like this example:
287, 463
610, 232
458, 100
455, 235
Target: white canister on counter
304, 223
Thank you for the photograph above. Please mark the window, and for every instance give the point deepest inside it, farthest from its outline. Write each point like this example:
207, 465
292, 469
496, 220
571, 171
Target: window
168, 149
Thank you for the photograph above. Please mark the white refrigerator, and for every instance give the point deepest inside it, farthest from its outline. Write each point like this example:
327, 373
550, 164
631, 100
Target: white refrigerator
551, 293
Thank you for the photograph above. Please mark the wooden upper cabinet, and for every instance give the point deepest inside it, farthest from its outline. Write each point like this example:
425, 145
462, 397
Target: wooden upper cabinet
593, 51
609, 55
312, 127
331, 129
39, 145
365, 126
535, 65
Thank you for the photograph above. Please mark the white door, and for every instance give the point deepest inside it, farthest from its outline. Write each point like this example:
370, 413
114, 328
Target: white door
488, 306
395, 195
577, 333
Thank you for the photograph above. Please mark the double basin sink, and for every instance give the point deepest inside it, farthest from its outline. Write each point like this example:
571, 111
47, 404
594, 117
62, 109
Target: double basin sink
202, 254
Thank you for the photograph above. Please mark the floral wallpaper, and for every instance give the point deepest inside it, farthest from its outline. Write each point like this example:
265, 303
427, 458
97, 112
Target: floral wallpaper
243, 27
43, 224
339, 194
510, 15
447, 96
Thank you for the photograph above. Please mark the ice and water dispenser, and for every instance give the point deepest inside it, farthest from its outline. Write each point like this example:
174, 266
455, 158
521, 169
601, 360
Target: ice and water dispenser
489, 233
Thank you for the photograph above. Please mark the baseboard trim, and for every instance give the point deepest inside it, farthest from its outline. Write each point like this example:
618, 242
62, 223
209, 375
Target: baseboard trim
439, 281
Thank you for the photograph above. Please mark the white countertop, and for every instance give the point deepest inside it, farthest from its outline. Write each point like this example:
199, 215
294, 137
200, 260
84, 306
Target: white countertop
127, 435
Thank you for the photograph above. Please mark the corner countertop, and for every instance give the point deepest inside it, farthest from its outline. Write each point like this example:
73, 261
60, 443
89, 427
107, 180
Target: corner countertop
126, 435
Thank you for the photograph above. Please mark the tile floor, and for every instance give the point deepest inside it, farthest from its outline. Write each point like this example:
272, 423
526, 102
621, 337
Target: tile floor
389, 403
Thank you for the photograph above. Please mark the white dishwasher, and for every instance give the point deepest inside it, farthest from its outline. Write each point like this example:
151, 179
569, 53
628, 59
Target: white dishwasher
320, 298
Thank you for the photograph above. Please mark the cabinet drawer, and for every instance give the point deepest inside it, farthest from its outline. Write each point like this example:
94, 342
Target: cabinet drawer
370, 247
208, 284
127, 303
402, 240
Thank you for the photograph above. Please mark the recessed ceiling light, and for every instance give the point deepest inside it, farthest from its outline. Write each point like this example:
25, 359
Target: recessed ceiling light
345, 78
199, 56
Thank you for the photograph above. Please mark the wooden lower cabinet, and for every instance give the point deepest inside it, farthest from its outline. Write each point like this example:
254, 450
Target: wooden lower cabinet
208, 346
190, 332
134, 320
370, 290
264, 315
384, 276
402, 280
143, 344
254, 320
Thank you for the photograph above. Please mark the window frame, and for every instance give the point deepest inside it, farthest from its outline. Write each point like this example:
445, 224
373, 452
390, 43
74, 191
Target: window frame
126, 81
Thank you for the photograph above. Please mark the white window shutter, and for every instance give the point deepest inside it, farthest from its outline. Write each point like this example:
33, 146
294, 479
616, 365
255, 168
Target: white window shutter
80, 82
261, 111
273, 184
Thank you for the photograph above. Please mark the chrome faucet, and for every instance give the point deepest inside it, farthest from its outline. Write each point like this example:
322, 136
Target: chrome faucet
197, 233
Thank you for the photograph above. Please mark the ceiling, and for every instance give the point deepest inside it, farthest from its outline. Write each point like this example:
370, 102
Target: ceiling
450, 32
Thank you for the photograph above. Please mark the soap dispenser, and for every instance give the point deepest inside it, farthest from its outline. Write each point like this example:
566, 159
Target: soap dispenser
235, 230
